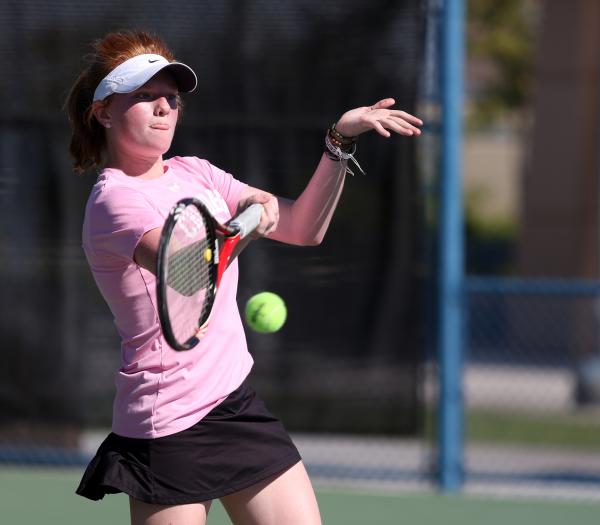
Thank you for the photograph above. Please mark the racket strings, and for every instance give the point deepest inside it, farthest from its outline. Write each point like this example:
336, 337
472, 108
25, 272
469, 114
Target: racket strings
189, 276
188, 269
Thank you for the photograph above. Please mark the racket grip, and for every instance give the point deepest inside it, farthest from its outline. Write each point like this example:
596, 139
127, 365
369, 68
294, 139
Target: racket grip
247, 221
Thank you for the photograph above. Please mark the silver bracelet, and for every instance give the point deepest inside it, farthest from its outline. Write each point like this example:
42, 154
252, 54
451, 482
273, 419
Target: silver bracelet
335, 151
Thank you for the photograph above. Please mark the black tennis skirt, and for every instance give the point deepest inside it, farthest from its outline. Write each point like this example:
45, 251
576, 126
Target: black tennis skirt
236, 445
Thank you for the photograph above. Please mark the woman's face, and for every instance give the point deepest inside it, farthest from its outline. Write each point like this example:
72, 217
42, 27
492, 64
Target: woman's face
142, 123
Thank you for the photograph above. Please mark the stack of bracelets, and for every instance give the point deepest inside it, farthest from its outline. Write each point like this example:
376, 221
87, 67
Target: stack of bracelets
339, 147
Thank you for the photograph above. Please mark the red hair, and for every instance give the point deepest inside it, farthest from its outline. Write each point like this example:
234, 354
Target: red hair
88, 141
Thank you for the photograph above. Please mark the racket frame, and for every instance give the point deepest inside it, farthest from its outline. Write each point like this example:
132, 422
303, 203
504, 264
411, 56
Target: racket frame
237, 229
162, 270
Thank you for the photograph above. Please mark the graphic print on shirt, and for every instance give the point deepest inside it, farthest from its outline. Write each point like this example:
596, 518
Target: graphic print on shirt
192, 224
215, 203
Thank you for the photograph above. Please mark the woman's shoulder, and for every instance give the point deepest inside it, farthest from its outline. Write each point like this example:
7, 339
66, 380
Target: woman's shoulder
196, 167
112, 196
193, 165
109, 189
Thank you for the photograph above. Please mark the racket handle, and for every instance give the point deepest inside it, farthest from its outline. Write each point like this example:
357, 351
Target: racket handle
247, 221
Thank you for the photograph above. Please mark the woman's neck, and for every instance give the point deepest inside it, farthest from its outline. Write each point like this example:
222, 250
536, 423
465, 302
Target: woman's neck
140, 167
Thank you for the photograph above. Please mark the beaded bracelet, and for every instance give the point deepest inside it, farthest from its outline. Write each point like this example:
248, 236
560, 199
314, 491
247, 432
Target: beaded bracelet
336, 150
342, 139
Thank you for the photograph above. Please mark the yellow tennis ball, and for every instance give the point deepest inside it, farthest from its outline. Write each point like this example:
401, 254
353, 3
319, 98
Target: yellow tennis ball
265, 312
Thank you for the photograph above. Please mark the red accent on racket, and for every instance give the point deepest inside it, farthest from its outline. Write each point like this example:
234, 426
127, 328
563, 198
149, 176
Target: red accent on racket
194, 251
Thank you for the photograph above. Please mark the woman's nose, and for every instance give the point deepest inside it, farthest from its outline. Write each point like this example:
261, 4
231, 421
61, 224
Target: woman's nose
162, 106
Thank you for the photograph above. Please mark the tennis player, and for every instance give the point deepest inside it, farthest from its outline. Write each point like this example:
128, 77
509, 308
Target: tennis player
187, 428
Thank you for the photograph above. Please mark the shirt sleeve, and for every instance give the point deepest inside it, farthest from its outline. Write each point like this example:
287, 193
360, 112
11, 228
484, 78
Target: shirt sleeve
116, 221
228, 187
225, 184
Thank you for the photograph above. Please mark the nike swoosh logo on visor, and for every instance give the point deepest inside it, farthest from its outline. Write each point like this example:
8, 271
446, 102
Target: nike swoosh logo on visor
154, 60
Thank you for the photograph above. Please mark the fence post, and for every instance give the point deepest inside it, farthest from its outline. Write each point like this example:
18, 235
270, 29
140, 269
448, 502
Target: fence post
451, 266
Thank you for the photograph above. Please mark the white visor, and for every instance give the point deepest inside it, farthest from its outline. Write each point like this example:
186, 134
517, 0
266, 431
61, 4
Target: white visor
135, 72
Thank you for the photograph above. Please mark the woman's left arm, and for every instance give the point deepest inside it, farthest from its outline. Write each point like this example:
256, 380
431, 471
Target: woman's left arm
305, 220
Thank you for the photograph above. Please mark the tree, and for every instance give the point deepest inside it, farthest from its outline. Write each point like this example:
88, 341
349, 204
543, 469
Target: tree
500, 47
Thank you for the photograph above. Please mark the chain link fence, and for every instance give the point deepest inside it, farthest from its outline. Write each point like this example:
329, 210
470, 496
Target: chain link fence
532, 387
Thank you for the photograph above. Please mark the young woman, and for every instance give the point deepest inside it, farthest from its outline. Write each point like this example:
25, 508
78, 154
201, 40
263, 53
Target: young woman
187, 428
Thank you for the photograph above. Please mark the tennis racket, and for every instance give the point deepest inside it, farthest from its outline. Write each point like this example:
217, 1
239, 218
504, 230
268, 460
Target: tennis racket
193, 253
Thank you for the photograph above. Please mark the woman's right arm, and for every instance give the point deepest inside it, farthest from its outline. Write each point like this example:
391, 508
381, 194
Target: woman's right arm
147, 249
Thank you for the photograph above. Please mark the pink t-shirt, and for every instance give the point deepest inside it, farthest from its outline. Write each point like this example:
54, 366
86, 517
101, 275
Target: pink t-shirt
161, 391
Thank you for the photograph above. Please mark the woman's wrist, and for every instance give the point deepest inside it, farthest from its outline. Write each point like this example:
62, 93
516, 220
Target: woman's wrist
336, 142
345, 140
339, 147
341, 127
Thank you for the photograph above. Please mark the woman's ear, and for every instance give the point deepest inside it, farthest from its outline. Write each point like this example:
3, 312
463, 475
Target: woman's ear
101, 113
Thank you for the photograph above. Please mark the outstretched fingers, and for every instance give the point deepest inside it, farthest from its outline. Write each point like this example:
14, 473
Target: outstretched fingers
379, 117
402, 128
383, 123
383, 120
379, 128
406, 116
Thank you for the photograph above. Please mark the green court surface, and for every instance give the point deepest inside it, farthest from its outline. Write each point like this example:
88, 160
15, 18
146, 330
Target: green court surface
33, 496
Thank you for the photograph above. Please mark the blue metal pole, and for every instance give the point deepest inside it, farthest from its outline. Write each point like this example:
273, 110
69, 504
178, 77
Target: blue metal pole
451, 265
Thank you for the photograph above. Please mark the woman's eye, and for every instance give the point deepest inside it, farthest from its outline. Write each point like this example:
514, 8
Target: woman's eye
145, 96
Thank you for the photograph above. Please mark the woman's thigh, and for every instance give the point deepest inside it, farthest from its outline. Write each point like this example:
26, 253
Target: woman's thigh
148, 514
287, 497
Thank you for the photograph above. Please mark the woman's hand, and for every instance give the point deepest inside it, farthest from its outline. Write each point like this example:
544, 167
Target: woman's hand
270, 215
380, 118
